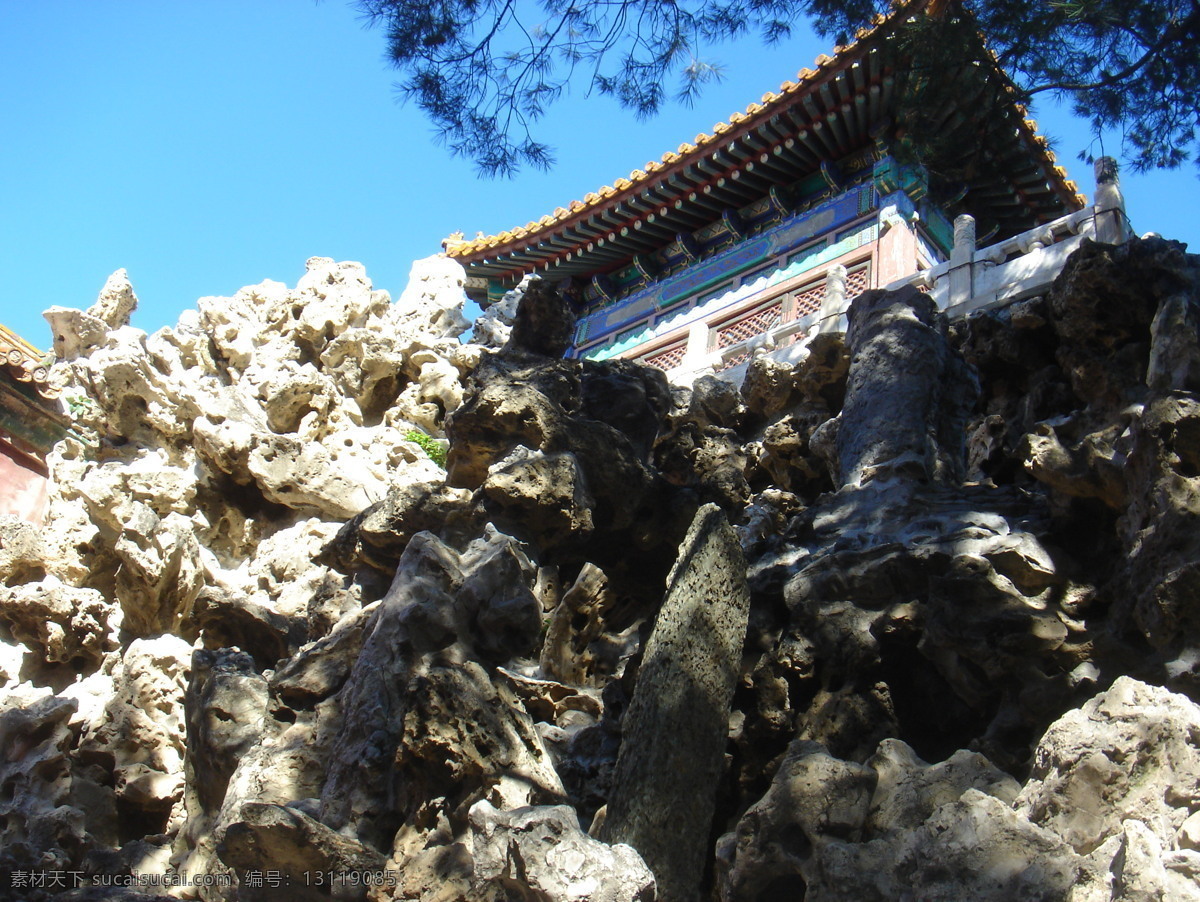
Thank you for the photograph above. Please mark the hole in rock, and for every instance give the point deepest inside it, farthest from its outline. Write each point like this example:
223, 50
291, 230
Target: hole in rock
784, 888
483, 749
248, 499
1187, 469
308, 352
30, 573
40, 734
932, 718
135, 822
380, 398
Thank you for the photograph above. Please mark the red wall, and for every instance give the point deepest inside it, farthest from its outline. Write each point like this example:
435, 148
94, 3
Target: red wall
23, 485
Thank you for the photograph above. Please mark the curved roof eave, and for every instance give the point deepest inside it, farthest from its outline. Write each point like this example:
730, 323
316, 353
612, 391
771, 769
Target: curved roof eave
606, 215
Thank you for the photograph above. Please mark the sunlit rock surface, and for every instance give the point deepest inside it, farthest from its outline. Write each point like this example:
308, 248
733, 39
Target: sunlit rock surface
267, 648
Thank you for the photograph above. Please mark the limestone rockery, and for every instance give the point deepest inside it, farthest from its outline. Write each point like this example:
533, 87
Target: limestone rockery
332, 605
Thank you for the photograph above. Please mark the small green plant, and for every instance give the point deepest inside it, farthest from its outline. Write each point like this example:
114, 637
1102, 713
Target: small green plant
79, 405
434, 449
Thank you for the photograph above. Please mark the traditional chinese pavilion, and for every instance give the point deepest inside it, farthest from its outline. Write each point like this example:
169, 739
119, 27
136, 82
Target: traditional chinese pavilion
30, 424
737, 231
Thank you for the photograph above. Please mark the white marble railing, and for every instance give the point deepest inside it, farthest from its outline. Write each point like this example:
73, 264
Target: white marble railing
973, 279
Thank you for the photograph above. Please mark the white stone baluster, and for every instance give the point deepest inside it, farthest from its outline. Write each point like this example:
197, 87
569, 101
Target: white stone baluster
1112, 225
831, 316
962, 282
695, 357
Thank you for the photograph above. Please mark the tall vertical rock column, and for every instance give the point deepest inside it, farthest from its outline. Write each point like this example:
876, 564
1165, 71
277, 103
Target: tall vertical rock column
675, 729
908, 394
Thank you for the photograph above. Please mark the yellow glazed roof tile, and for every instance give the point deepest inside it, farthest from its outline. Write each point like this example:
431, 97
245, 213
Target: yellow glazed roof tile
753, 111
465, 248
25, 363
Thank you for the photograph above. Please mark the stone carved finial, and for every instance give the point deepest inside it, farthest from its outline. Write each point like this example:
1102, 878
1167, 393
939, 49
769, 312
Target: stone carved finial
834, 302
1111, 223
1106, 170
962, 275
964, 232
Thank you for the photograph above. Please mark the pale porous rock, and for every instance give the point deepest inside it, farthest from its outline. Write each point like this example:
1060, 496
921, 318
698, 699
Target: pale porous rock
1131, 753
260, 632
908, 790
431, 304
22, 554
116, 302
281, 573
141, 731
977, 847
63, 624
12, 656
542, 854
211, 466
245, 383
74, 332
493, 327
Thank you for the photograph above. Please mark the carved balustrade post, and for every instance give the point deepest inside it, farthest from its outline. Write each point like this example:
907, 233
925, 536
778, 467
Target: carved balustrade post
1112, 225
962, 276
832, 315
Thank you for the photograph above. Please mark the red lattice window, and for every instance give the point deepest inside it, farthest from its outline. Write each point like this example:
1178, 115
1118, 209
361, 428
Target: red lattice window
666, 358
756, 322
808, 300
857, 282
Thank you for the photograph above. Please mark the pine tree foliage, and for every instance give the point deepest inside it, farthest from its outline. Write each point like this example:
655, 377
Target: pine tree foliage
485, 71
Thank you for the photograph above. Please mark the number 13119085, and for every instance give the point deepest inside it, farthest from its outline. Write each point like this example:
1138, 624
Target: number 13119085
349, 878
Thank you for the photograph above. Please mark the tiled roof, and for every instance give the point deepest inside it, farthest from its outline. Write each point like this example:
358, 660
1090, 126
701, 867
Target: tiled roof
25, 363
655, 174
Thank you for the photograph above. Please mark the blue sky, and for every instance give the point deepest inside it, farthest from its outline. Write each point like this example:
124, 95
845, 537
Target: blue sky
207, 146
